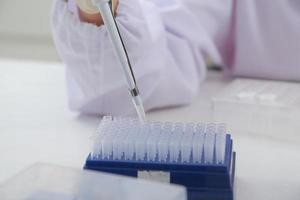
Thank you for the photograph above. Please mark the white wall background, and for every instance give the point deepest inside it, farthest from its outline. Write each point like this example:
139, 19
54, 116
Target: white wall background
25, 30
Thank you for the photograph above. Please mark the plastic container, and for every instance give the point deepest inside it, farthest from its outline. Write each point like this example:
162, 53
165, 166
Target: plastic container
50, 182
198, 157
269, 108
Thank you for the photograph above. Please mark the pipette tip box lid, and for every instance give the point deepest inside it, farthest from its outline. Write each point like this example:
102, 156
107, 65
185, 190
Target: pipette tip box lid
262, 107
199, 157
43, 181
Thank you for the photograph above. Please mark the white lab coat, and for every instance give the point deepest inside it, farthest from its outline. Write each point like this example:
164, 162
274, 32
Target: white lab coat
168, 41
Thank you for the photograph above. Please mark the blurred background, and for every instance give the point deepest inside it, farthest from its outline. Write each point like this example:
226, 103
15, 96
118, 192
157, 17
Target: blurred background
25, 30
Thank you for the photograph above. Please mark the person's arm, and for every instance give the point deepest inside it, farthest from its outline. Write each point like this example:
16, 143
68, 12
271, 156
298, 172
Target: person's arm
166, 42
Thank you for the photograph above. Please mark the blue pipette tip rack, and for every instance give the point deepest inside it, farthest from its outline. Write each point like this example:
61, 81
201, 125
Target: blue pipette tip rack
197, 156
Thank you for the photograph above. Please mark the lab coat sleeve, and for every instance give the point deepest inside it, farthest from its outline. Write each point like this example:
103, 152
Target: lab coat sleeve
166, 42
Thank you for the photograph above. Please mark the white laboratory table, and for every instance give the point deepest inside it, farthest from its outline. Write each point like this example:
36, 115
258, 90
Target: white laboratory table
36, 126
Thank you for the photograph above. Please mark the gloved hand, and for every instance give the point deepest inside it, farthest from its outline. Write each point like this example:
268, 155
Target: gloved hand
89, 13
87, 6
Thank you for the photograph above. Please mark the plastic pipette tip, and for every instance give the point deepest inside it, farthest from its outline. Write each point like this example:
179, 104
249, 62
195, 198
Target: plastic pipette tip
138, 104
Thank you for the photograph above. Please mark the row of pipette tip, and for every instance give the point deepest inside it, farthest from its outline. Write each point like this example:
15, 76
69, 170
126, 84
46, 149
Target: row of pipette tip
129, 140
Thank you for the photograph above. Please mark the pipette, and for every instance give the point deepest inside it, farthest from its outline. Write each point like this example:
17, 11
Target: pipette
105, 9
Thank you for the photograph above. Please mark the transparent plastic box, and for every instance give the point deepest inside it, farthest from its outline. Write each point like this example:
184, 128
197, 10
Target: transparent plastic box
270, 108
50, 182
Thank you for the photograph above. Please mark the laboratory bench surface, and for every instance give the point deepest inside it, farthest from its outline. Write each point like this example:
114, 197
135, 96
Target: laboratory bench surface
37, 126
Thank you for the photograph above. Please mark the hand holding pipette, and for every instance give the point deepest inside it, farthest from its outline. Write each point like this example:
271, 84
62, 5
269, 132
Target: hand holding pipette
105, 8
90, 13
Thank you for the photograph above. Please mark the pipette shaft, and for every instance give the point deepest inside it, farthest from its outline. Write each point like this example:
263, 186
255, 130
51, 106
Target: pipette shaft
104, 7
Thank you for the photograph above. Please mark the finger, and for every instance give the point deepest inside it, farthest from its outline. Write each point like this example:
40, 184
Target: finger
87, 6
115, 4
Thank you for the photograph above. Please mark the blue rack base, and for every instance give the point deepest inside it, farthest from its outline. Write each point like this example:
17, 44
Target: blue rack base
206, 184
